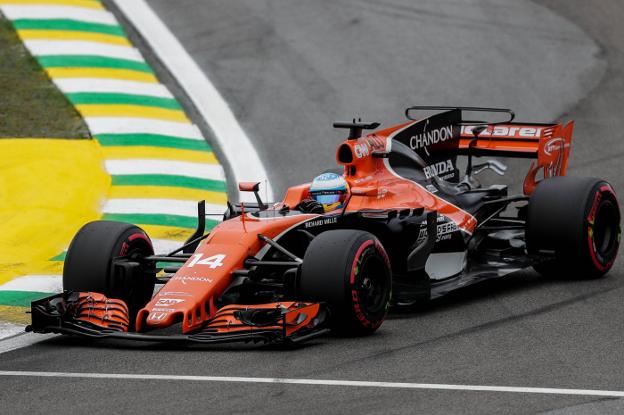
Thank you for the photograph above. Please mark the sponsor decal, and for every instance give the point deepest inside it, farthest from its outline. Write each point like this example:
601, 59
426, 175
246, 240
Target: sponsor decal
553, 153
552, 169
436, 133
431, 188
163, 310
164, 302
363, 179
427, 138
177, 294
376, 143
124, 249
436, 169
599, 261
444, 232
434, 139
184, 278
361, 150
159, 316
449, 177
212, 261
504, 131
555, 144
327, 177
382, 192
321, 222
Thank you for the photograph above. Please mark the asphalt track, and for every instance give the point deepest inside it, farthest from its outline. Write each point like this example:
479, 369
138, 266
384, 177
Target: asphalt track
288, 71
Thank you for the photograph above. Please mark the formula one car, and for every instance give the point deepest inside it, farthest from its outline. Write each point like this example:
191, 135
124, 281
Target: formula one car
409, 228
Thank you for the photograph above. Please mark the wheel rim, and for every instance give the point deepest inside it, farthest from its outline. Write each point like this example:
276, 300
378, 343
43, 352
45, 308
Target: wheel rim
373, 286
605, 229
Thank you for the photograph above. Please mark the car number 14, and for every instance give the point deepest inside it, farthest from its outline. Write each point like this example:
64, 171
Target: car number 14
213, 261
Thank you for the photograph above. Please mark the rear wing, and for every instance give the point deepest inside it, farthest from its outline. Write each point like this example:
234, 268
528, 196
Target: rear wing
508, 140
548, 144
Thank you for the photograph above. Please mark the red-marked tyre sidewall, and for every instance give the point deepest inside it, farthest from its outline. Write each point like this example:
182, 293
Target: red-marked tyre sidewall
602, 233
348, 270
369, 317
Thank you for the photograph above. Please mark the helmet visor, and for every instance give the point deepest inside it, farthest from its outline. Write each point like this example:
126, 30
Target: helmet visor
327, 199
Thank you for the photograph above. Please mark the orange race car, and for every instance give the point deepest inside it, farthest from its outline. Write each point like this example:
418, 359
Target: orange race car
396, 225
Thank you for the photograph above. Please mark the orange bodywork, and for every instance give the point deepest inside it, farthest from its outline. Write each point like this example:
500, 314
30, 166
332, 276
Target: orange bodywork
552, 156
190, 294
374, 185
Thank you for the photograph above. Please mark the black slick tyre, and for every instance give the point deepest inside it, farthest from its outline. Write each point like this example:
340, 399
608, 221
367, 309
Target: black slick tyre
350, 271
89, 263
575, 220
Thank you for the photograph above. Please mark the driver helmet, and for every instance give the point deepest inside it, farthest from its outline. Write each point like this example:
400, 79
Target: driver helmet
330, 190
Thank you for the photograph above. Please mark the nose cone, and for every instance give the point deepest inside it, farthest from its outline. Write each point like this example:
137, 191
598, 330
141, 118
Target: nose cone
188, 297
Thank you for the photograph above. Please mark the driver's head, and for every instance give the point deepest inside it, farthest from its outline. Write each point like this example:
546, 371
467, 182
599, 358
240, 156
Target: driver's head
330, 190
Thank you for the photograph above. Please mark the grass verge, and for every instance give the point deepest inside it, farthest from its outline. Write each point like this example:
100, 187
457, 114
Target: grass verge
30, 104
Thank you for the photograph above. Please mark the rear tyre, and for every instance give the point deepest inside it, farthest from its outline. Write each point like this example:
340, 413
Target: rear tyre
89, 263
350, 271
578, 219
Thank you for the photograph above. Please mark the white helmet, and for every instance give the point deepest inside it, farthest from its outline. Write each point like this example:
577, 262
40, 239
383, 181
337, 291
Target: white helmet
330, 190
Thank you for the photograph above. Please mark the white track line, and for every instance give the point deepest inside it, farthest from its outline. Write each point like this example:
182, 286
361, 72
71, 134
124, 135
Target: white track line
39, 283
319, 382
177, 168
231, 138
158, 206
95, 85
127, 125
13, 12
22, 340
78, 47
8, 329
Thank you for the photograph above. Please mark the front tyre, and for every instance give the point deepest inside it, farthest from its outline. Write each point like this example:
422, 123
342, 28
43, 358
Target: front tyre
89, 263
350, 271
578, 219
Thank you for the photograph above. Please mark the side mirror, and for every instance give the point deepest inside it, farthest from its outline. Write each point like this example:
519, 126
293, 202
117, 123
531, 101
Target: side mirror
252, 187
249, 186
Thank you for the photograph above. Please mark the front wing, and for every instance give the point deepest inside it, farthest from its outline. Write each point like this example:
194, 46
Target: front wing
93, 315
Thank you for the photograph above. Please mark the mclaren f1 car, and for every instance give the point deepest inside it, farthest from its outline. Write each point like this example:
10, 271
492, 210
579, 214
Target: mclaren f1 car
411, 226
